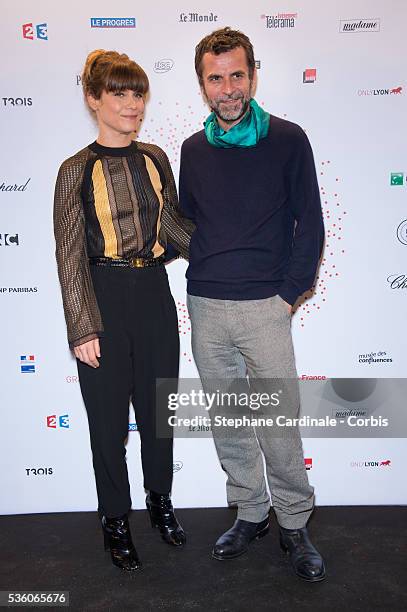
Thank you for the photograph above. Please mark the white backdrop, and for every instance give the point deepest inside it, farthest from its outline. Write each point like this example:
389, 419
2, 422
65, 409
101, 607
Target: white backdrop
354, 114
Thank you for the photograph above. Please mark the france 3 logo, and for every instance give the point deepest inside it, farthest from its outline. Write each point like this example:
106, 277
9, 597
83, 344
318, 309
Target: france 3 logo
27, 364
38, 31
54, 421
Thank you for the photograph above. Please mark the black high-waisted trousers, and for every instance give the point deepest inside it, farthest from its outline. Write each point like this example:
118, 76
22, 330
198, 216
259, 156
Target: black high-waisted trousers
140, 344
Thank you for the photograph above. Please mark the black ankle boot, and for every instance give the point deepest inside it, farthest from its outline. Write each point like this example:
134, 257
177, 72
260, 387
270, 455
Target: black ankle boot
118, 541
162, 516
305, 559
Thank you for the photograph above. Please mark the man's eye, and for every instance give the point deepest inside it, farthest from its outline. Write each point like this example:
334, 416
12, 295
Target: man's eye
214, 78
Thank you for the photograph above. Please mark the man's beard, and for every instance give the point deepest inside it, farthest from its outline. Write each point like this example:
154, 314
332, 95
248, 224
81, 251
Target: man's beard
235, 112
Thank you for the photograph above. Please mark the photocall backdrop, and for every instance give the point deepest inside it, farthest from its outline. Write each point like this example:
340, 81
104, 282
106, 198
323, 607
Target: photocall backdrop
338, 70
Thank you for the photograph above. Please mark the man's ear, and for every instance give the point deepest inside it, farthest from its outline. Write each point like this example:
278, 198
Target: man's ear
253, 85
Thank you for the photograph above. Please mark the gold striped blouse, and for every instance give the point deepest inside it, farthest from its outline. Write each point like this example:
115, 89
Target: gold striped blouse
116, 203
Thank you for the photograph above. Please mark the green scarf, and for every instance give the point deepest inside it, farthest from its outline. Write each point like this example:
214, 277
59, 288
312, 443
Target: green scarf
246, 133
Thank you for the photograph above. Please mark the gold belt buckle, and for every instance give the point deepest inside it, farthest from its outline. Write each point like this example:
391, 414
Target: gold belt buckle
137, 262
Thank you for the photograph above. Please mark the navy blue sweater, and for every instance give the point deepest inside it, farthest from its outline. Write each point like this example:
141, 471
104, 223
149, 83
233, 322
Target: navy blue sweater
257, 210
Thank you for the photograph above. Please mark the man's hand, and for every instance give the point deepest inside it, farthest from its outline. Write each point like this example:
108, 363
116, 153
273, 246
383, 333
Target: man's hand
88, 352
287, 305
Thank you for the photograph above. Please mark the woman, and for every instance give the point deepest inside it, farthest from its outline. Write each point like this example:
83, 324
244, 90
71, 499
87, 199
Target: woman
115, 208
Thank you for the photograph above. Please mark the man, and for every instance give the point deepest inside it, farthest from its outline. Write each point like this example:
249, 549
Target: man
248, 181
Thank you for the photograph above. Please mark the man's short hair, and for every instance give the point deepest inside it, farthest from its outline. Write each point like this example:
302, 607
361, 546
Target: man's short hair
221, 41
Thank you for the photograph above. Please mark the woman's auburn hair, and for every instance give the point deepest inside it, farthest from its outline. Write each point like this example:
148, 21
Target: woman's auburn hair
112, 71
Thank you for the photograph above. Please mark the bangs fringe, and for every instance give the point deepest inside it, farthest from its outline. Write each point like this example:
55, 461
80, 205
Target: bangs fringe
130, 76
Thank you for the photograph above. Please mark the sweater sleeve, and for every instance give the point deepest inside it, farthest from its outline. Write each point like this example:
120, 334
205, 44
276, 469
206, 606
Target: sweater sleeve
185, 196
82, 314
305, 205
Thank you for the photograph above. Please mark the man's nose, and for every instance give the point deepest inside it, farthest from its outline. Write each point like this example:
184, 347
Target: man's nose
228, 86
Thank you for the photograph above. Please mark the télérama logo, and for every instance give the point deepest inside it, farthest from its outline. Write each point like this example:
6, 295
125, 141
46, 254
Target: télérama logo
280, 21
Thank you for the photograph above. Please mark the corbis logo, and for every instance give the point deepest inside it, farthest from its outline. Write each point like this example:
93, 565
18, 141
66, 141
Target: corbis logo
381, 92
402, 232
112, 22
308, 463
309, 75
197, 18
17, 101
9, 240
163, 65
27, 364
371, 464
38, 31
54, 421
18, 290
132, 426
177, 466
14, 187
396, 178
359, 25
42, 471
280, 20
376, 357
397, 281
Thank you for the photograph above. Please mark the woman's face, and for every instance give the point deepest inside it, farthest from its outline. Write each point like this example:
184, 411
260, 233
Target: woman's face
118, 112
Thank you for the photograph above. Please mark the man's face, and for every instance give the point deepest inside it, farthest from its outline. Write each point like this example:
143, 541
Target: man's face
226, 85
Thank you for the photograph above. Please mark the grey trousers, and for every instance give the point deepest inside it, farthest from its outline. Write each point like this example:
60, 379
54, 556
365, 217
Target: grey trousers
234, 339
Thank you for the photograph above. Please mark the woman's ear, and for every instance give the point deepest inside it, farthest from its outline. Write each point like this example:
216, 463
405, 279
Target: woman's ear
93, 102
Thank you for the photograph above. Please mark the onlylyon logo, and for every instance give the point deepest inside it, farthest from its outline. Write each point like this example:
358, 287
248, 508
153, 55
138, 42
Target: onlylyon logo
54, 421
9, 240
38, 31
393, 91
280, 20
163, 65
371, 464
132, 426
27, 364
197, 18
309, 75
396, 178
359, 25
308, 463
112, 22
402, 232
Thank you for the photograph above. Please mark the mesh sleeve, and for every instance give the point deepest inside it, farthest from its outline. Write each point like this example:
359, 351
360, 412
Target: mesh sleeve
178, 228
82, 314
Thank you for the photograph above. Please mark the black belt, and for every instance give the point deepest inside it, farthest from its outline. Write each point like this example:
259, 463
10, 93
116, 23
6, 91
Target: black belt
135, 262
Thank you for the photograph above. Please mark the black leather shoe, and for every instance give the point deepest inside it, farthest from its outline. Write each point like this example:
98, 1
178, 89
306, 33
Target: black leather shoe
118, 541
162, 515
236, 540
304, 557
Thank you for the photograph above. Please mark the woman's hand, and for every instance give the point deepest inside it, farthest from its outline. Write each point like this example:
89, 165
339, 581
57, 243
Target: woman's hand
88, 352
